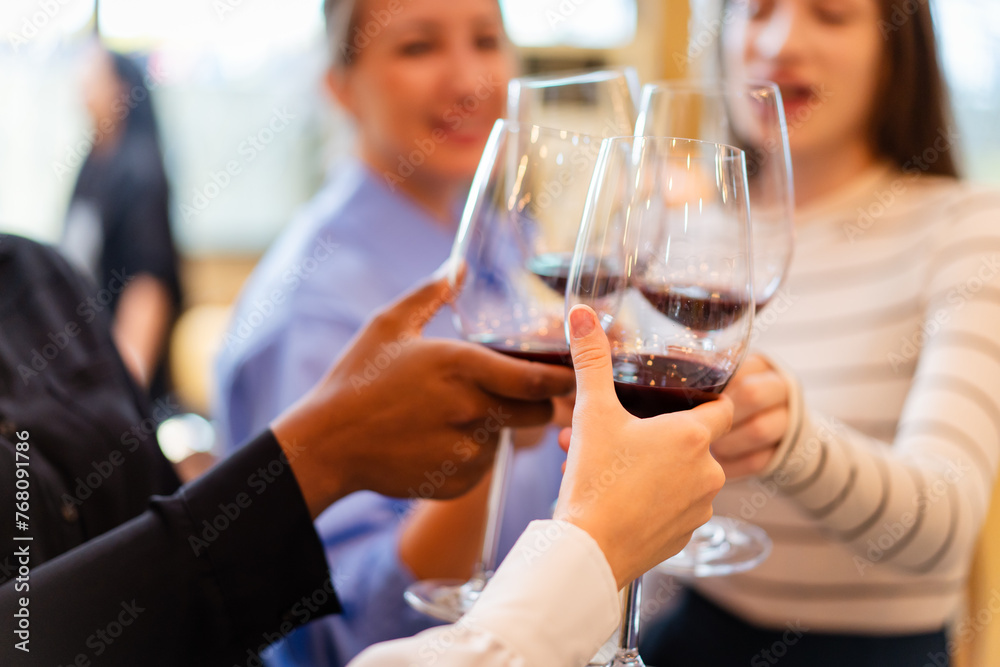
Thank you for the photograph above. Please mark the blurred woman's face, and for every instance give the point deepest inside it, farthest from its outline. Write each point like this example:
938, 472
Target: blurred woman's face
101, 89
427, 82
825, 55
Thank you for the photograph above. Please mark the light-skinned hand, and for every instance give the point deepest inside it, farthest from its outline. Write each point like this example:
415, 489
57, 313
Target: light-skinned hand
760, 396
639, 487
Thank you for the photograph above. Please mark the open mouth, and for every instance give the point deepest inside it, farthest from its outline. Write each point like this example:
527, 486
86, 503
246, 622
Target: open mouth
796, 96
463, 131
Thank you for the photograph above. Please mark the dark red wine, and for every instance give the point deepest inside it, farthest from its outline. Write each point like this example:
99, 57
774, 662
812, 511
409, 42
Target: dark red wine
553, 269
696, 307
650, 385
760, 305
544, 353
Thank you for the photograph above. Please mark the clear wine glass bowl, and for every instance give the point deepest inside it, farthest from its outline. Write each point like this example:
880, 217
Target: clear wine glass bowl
513, 247
748, 115
663, 256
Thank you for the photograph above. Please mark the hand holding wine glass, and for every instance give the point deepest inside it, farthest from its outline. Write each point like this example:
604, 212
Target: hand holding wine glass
761, 396
516, 240
663, 256
640, 453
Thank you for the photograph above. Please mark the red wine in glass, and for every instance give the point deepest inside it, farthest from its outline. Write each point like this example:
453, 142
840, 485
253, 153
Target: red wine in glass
696, 307
650, 385
553, 270
544, 353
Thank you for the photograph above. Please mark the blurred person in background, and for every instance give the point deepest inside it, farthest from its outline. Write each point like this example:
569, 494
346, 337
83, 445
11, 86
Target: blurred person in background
869, 454
424, 82
117, 228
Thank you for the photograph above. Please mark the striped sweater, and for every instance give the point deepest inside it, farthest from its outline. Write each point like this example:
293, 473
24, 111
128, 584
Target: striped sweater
889, 329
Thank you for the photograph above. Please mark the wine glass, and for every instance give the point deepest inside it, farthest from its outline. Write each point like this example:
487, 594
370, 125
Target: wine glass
664, 258
750, 115
599, 103
516, 240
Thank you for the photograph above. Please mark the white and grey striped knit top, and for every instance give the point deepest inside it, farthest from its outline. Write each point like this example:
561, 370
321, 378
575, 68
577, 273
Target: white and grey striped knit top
890, 322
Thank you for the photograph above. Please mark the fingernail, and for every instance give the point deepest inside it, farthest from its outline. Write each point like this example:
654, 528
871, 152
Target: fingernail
581, 322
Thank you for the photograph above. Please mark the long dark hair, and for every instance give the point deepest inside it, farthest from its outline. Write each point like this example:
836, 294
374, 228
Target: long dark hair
138, 119
911, 110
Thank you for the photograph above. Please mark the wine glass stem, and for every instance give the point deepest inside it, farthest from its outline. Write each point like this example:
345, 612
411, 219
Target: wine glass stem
494, 506
628, 636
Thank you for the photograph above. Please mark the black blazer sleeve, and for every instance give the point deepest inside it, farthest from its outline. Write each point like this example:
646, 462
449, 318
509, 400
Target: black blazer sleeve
208, 576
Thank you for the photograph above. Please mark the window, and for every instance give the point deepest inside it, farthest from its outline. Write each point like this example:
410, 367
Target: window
969, 35
587, 24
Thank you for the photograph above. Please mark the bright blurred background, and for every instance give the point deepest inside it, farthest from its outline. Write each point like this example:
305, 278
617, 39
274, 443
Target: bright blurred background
221, 70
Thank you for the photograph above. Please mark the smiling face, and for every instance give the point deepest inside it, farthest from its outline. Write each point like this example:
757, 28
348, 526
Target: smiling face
429, 76
825, 55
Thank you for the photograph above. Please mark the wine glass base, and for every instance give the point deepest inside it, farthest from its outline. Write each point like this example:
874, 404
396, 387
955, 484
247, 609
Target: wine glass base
629, 659
444, 599
721, 547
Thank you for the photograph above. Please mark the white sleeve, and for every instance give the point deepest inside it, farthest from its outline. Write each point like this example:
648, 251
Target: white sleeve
552, 602
917, 504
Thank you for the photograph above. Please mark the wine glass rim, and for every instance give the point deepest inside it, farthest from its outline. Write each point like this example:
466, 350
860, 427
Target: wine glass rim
511, 125
733, 152
572, 76
708, 84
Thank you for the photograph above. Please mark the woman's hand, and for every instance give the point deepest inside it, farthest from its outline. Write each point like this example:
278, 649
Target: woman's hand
639, 487
760, 396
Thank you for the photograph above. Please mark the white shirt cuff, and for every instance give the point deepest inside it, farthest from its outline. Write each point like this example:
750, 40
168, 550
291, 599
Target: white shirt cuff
554, 599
